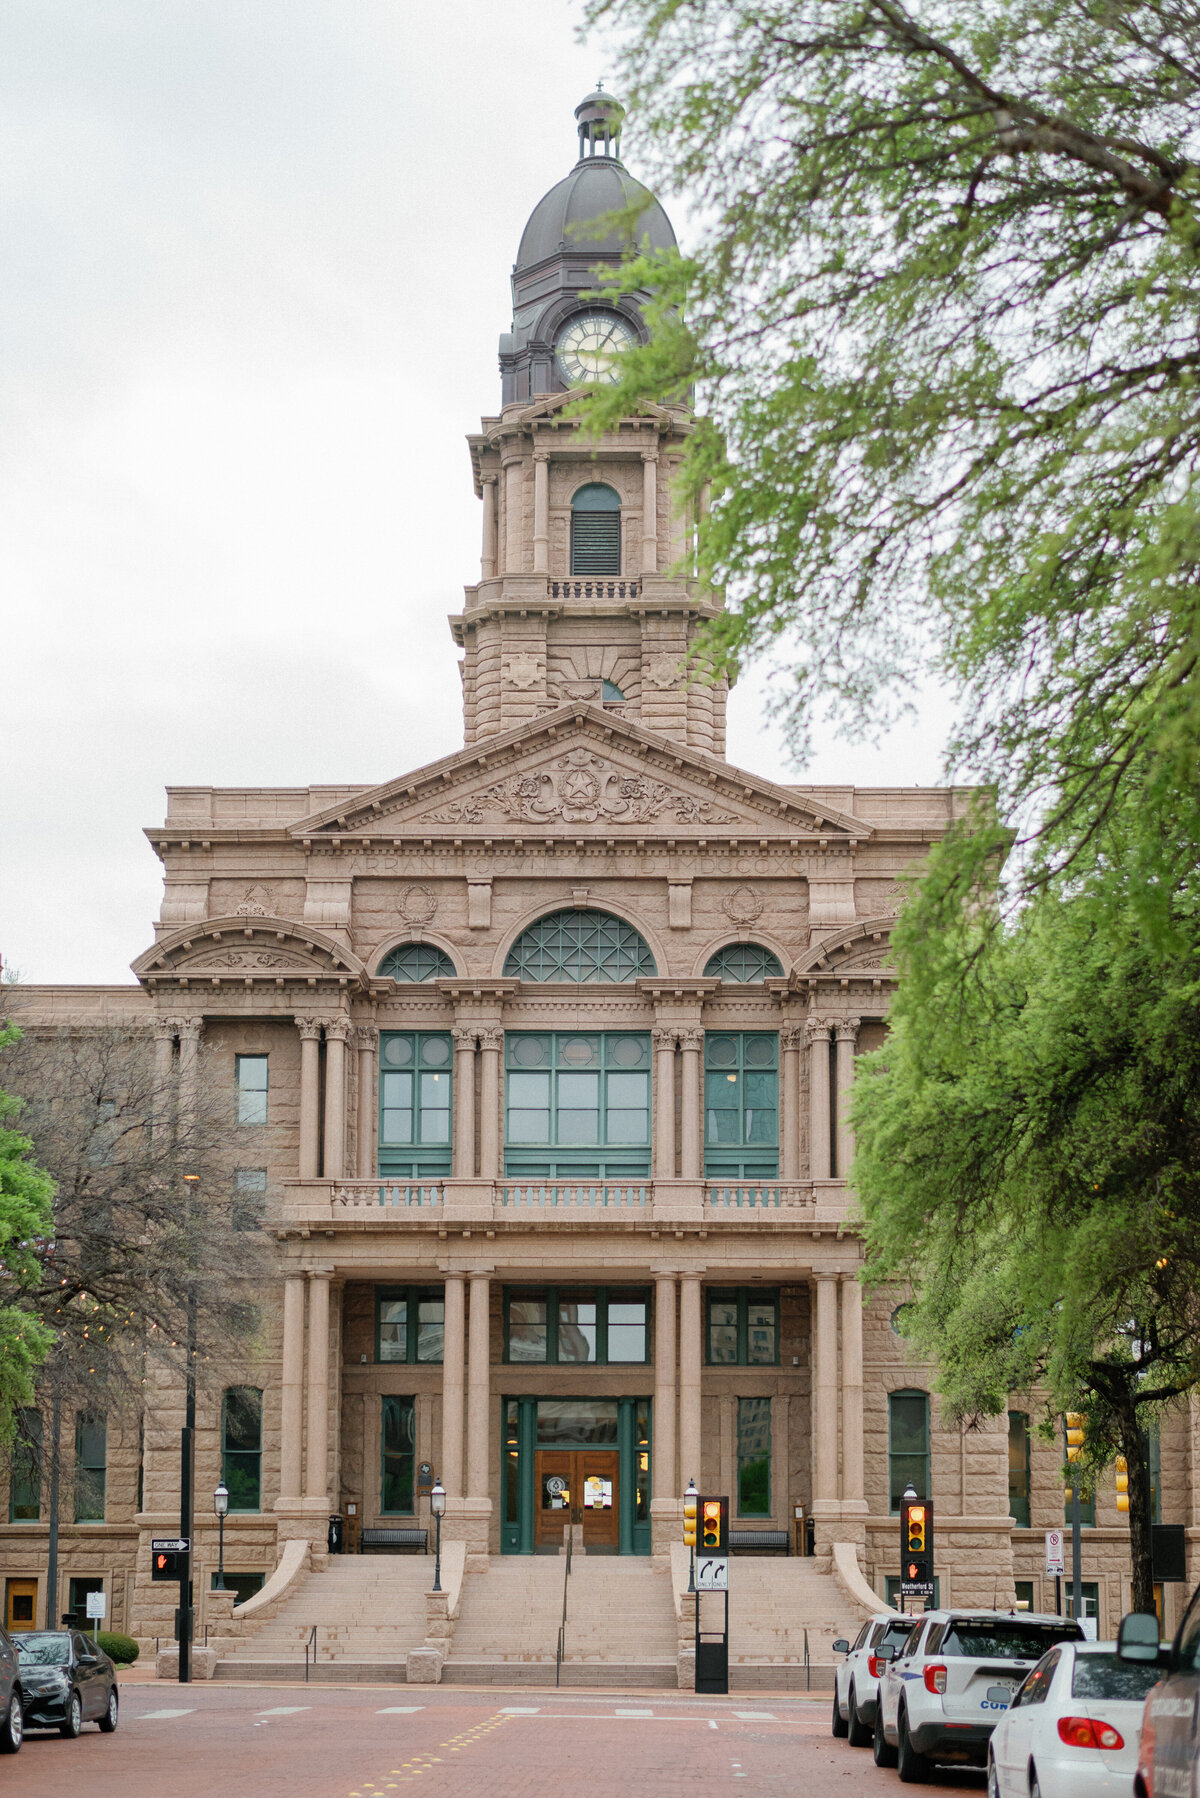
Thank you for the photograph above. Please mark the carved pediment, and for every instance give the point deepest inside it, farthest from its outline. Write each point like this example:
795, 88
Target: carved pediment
863, 947
241, 948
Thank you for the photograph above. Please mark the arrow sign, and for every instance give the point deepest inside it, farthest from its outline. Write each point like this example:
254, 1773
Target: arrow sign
179, 1544
712, 1573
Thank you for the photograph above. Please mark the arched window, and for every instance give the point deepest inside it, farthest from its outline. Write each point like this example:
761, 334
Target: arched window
611, 694
241, 1447
908, 1444
416, 962
745, 963
579, 945
596, 530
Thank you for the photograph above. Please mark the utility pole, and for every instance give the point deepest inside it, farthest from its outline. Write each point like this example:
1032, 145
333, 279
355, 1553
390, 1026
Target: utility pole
52, 1546
187, 1461
1076, 1547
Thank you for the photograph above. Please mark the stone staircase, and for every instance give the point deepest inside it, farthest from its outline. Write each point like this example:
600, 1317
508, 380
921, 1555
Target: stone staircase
369, 1611
774, 1604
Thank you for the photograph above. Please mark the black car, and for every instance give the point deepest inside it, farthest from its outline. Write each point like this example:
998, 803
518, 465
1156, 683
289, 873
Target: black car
12, 1713
66, 1681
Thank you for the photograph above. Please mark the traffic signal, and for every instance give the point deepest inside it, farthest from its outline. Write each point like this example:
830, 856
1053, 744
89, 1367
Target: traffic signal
916, 1547
169, 1563
689, 1519
1074, 1435
1122, 1483
711, 1533
914, 1530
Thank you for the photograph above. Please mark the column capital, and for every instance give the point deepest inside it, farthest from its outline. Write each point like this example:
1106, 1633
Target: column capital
481, 1273
491, 1036
650, 453
168, 1028
691, 1036
338, 1030
190, 1029
664, 1271
818, 1029
847, 1029
309, 1028
365, 1038
792, 1036
464, 1037
541, 455
663, 1037
825, 1276
488, 480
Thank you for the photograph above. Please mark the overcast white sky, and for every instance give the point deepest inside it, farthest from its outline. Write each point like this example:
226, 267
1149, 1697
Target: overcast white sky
257, 260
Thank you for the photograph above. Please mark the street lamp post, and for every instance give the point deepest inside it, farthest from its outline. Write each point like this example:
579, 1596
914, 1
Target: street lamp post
437, 1504
220, 1506
690, 1497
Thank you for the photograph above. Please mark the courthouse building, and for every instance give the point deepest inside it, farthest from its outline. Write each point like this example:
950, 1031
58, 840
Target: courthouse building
537, 1060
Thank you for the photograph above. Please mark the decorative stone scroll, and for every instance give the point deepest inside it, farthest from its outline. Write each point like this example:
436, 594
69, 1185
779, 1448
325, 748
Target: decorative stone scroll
582, 788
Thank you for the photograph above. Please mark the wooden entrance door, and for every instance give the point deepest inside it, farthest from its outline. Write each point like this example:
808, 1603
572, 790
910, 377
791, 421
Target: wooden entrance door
577, 1485
20, 1606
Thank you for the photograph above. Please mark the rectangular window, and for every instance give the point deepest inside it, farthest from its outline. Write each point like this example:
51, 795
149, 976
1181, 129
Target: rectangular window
1089, 1592
743, 1327
244, 1584
1018, 1468
398, 1455
577, 1104
77, 1597
25, 1468
741, 1104
576, 1326
410, 1323
908, 1445
251, 1075
249, 1198
754, 1457
241, 1447
1024, 1590
415, 1086
91, 1460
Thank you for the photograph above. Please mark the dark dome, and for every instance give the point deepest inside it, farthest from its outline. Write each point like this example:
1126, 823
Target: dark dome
596, 186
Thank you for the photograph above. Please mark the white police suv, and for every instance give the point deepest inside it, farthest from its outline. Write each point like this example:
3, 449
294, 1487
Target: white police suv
856, 1683
943, 1692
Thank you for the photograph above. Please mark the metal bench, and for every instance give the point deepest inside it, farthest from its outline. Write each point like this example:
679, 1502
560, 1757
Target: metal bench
775, 1539
394, 1539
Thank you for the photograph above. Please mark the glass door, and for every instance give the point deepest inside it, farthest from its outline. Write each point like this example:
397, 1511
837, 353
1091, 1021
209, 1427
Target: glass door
578, 1486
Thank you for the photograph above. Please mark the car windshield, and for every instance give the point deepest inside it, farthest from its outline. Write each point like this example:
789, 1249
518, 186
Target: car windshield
985, 1639
1104, 1676
44, 1649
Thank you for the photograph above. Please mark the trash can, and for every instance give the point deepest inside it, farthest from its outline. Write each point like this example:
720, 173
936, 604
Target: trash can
337, 1535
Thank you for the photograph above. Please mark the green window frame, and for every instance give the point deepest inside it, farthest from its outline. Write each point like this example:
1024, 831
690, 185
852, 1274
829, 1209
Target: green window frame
252, 1078
410, 1325
743, 964
397, 1456
1025, 1594
416, 1102
754, 1457
580, 946
596, 530
25, 1468
415, 964
741, 1326
577, 1103
78, 1591
91, 1466
908, 1444
249, 1198
241, 1447
1019, 1469
741, 1104
577, 1326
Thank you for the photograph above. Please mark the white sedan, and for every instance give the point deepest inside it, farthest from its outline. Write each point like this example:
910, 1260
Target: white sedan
1073, 1727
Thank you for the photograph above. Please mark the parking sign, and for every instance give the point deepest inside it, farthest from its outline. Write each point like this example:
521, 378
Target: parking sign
1054, 1553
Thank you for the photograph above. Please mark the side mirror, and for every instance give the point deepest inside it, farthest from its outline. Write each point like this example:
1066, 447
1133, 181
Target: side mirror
886, 1651
841, 1646
1137, 1638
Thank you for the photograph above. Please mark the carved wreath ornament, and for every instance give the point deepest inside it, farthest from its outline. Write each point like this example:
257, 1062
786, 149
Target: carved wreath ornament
580, 789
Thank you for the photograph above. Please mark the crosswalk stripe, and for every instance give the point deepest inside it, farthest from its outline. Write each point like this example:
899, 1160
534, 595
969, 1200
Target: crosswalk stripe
399, 1710
285, 1710
152, 1716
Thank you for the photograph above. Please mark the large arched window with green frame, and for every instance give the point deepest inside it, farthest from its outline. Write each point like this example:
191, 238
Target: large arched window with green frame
746, 964
416, 964
580, 946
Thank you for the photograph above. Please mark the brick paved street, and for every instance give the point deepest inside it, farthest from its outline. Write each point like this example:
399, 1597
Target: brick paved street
368, 1742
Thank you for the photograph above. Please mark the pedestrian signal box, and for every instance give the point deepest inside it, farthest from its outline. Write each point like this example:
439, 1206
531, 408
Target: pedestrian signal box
916, 1548
169, 1558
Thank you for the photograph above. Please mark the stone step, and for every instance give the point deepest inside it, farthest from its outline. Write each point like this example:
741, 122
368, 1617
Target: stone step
660, 1675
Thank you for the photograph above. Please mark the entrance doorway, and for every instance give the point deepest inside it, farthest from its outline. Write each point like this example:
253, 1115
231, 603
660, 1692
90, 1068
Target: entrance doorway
20, 1605
578, 1486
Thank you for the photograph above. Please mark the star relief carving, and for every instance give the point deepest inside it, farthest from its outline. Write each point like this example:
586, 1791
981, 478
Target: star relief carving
582, 788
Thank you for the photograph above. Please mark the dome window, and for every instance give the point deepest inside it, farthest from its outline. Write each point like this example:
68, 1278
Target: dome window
743, 963
416, 964
596, 530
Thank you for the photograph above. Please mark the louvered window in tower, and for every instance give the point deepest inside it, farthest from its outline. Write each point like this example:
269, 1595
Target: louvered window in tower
596, 530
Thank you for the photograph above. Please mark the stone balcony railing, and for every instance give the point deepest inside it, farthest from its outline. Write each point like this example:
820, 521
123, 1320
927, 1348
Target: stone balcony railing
325, 1207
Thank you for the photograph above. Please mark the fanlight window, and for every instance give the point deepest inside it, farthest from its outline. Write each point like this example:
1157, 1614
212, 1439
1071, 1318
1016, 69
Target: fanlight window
744, 963
416, 962
596, 530
579, 945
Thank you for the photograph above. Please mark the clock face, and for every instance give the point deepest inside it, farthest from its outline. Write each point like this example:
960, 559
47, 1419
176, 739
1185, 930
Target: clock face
588, 347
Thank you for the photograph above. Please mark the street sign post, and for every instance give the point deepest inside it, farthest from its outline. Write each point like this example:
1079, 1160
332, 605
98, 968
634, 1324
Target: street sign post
712, 1575
97, 1605
916, 1549
1056, 1565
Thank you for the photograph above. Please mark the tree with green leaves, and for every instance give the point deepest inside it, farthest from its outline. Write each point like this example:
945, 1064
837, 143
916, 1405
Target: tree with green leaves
26, 1193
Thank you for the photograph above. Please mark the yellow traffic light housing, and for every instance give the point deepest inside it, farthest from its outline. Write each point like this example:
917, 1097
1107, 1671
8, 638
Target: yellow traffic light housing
1075, 1423
1122, 1483
916, 1530
689, 1520
711, 1524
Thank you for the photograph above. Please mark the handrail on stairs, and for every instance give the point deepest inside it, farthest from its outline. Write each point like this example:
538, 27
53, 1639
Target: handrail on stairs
560, 1653
310, 1643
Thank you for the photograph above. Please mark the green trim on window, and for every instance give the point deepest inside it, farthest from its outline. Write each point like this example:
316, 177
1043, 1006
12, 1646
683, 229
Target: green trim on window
241, 1447
252, 1079
754, 1457
908, 1444
580, 946
741, 1326
91, 1466
25, 1468
416, 1102
577, 1104
397, 1456
745, 964
1018, 1469
410, 1325
741, 1104
577, 1326
415, 964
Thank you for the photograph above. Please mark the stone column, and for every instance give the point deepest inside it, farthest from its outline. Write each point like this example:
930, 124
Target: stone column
650, 511
316, 1484
491, 1047
165, 1032
291, 1414
663, 1037
190, 1032
541, 512
818, 1098
514, 475
690, 1363
854, 1489
665, 1484
825, 1413
847, 1036
487, 561
452, 1387
691, 1041
464, 1100
478, 1387
790, 1039
337, 1035
310, 1050
366, 1041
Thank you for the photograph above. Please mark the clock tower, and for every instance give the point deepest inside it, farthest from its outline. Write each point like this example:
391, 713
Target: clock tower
587, 589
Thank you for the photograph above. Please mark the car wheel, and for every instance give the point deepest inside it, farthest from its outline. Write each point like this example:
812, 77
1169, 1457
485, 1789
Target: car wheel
74, 1719
108, 1721
885, 1754
12, 1730
993, 1778
913, 1768
857, 1733
840, 1726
